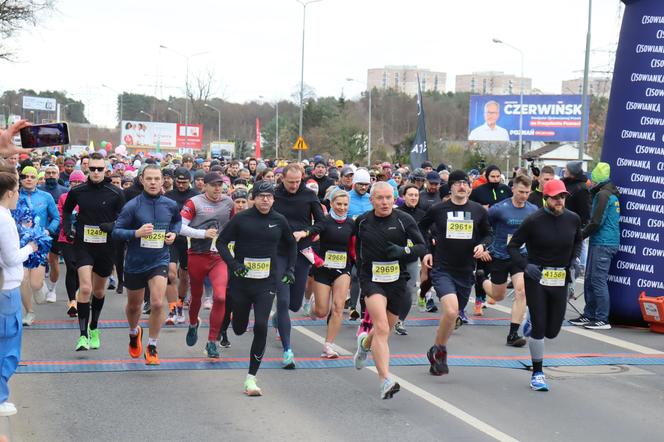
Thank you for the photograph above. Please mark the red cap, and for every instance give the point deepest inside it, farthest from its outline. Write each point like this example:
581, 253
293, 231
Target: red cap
554, 187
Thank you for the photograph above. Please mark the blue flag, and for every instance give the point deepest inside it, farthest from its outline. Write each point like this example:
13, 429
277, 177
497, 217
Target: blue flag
419, 152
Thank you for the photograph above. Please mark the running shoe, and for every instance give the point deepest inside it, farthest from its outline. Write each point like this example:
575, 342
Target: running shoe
207, 304
29, 319
146, 308
354, 315
7, 409
71, 309
111, 283
306, 307
250, 387
51, 297
329, 352
192, 333
289, 360
83, 343
120, 289
581, 320
151, 355
170, 319
538, 382
389, 388
360, 357
438, 359
514, 340
399, 329
458, 323
462, 315
136, 344
422, 304
477, 311
431, 306
598, 325
225, 343
211, 350
179, 316
95, 342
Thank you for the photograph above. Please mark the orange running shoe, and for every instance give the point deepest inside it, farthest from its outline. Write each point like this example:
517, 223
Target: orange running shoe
478, 308
151, 355
135, 344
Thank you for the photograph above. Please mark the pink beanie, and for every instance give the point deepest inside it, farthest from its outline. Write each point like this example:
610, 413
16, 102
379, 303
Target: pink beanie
77, 175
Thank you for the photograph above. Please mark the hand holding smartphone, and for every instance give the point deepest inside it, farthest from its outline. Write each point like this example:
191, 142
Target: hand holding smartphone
44, 135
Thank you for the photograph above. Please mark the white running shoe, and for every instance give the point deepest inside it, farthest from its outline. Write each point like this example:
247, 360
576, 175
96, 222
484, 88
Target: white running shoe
207, 304
51, 296
7, 409
29, 318
329, 352
360, 358
40, 295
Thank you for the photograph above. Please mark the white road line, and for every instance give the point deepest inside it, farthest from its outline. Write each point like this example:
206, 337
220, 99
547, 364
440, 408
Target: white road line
423, 394
596, 336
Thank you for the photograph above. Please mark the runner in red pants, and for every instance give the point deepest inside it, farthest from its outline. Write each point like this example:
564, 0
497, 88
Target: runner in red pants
203, 217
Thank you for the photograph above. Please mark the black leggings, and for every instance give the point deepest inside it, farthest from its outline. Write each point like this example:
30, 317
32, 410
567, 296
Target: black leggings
547, 307
261, 296
119, 247
71, 277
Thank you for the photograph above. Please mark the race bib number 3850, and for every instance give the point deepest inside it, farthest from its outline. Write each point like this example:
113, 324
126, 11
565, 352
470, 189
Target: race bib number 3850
93, 235
385, 271
259, 268
459, 229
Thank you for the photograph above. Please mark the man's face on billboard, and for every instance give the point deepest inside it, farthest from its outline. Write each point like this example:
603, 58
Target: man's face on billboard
491, 114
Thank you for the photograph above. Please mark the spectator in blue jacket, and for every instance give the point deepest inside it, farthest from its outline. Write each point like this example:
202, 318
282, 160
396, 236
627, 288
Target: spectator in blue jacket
603, 229
46, 216
359, 196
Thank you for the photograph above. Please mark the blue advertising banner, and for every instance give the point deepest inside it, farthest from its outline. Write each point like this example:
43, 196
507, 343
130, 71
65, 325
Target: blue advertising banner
634, 147
545, 117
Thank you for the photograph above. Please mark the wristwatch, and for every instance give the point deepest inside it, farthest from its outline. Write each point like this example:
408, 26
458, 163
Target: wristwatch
407, 250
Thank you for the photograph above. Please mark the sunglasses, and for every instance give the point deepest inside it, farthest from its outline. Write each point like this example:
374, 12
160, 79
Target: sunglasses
97, 169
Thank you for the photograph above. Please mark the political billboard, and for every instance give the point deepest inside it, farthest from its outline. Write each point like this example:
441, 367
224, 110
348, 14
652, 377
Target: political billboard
545, 117
634, 148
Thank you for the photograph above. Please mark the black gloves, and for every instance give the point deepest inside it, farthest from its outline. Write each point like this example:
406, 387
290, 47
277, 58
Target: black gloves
106, 227
288, 276
393, 251
533, 272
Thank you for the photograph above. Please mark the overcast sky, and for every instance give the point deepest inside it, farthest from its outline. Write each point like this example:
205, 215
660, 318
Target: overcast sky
253, 46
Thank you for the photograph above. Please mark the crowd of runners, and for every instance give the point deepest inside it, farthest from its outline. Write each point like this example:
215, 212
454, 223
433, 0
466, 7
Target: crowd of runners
181, 233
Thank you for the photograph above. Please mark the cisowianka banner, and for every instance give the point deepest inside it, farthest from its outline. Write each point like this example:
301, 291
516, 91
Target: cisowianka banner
634, 147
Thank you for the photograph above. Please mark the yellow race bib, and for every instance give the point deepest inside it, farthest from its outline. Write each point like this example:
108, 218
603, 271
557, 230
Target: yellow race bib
459, 229
259, 268
385, 271
553, 276
155, 240
231, 248
93, 235
335, 260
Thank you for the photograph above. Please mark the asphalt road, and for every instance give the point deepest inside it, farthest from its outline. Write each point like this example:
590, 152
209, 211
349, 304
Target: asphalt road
590, 402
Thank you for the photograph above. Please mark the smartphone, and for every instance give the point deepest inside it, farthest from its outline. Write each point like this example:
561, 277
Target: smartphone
44, 135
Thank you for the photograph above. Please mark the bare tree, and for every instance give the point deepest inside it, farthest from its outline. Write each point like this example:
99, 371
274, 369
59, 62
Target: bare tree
16, 14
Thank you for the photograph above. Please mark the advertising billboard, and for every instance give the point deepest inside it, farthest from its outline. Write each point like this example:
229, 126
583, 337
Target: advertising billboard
545, 117
634, 148
39, 103
164, 135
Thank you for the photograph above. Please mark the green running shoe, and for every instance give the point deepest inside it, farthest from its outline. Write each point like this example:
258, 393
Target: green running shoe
289, 360
95, 343
250, 387
83, 344
211, 350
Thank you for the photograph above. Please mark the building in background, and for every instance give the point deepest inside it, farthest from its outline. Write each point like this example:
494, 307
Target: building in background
404, 79
597, 86
493, 83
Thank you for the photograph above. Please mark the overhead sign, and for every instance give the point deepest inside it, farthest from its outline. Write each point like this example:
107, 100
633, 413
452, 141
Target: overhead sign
300, 144
162, 135
545, 117
222, 148
634, 147
39, 103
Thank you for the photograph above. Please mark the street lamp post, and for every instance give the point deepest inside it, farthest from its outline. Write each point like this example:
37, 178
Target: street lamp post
218, 120
276, 133
177, 112
147, 114
186, 89
304, 19
495, 40
369, 143
121, 100
584, 98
